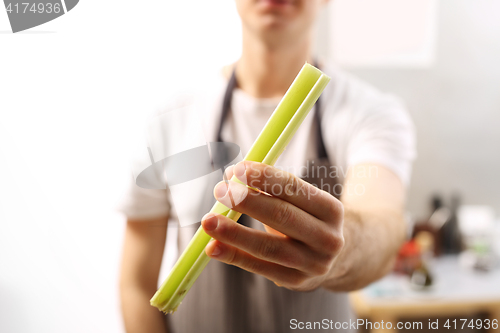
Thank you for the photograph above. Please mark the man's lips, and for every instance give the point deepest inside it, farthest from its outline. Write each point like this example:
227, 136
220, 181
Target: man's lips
275, 3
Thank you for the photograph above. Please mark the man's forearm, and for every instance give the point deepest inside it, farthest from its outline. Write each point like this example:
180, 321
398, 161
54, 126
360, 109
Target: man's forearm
142, 256
139, 316
372, 240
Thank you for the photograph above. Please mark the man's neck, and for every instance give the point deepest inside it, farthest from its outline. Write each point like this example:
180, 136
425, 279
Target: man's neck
267, 72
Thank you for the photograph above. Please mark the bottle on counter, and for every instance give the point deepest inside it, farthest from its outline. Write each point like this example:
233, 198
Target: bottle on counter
451, 239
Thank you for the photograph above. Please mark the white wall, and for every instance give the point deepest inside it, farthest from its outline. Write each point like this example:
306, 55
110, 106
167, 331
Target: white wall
73, 95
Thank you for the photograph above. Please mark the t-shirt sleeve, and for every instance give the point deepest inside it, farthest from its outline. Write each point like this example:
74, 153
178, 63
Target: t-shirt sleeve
383, 133
143, 203
167, 133
139, 203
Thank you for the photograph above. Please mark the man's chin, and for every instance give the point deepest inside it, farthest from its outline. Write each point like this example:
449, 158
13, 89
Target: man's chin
273, 22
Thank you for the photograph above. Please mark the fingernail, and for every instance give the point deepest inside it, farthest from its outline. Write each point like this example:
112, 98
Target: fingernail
239, 170
210, 222
216, 251
220, 190
228, 172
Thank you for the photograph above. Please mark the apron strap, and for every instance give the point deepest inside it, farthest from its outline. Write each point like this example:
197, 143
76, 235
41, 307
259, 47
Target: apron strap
226, 103
320, 149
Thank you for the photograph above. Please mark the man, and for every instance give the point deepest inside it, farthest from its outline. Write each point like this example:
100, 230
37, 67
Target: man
314, 248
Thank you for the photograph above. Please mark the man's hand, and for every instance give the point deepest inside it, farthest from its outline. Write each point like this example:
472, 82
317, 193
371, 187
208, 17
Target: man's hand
305, 227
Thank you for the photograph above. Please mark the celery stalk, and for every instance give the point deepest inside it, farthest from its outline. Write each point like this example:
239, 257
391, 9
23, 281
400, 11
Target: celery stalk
271, 142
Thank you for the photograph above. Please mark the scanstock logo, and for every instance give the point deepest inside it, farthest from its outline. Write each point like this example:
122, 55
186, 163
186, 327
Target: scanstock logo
24, 14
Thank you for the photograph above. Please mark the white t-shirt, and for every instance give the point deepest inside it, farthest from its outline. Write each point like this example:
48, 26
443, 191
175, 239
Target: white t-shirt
359, 124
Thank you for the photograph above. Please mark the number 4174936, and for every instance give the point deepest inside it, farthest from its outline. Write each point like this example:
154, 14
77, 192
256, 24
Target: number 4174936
474, 324
35, 8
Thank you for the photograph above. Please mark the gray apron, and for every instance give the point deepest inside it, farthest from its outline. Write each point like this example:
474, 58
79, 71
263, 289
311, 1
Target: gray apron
228, 299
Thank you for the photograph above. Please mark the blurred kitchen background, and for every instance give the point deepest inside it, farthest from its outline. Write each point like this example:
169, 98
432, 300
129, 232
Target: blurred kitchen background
442, 58
74, 91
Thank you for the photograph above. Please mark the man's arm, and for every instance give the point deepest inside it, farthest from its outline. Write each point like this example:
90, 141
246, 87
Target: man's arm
374, 227
142, 256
